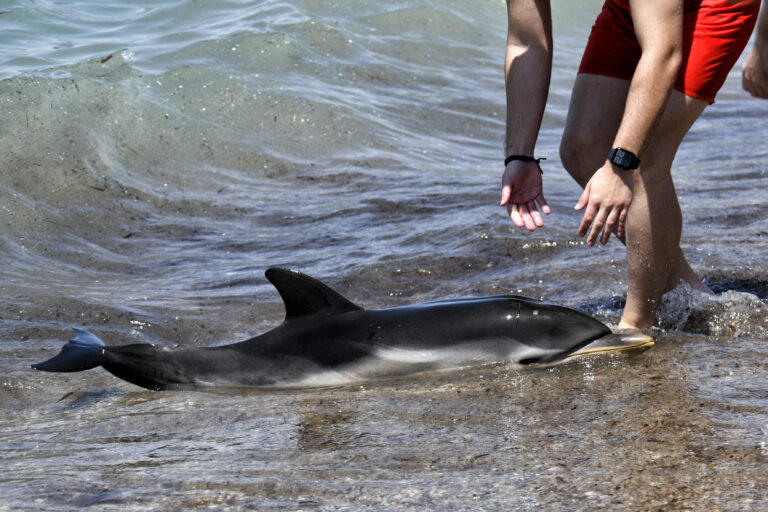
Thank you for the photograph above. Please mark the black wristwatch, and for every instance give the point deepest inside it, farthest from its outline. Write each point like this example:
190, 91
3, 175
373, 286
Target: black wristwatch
623, 158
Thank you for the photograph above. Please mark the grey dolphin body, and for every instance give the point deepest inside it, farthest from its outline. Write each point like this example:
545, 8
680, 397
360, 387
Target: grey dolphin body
326, 339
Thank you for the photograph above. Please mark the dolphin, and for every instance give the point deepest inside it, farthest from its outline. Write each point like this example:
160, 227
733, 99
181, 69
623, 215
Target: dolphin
327, 340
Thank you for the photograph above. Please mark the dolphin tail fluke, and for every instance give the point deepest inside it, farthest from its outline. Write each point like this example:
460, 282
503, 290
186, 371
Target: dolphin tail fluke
83, 352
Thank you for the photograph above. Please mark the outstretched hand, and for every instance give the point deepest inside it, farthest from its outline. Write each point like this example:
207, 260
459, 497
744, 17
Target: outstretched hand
607, 197
522, 194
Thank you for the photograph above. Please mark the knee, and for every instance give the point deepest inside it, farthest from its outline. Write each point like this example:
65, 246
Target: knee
579, 157
571, 155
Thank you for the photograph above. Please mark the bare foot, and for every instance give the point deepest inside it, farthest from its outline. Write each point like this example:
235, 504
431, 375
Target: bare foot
627, 325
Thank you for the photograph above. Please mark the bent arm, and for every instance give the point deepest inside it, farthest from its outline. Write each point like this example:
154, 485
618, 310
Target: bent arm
658, 25
659, 28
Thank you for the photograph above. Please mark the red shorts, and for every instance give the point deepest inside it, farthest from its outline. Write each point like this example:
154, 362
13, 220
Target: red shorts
715, 33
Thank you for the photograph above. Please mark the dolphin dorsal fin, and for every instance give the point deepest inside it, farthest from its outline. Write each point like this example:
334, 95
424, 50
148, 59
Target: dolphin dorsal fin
305, 296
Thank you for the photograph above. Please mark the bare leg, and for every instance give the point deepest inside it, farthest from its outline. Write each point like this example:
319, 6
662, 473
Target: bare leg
656, 263
654, 223
594, 115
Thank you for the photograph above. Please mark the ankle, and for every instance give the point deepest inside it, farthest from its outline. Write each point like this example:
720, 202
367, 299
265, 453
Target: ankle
635, 323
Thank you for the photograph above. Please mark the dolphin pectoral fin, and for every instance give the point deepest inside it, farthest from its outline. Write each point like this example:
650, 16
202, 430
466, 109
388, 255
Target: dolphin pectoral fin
615, 342
83, 352
304, 296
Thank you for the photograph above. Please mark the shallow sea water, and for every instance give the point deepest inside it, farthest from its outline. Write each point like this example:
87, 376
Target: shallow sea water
158, 157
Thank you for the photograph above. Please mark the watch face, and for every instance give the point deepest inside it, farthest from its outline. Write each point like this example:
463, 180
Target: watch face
623, 158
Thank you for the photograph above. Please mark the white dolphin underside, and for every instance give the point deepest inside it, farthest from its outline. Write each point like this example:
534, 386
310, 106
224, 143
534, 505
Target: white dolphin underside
396, 361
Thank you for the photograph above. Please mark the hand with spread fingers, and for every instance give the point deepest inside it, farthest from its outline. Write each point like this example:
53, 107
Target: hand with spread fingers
522, 194
607, 198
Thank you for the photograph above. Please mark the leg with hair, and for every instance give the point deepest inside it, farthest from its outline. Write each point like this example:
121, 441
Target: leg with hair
654, 223
654, 255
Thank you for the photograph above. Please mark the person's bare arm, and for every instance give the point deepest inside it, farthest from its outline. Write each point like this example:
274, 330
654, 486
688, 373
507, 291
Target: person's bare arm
527, 72
754, 73
608, 194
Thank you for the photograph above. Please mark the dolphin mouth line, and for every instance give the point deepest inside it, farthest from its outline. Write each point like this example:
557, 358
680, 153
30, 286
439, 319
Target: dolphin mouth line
615, 343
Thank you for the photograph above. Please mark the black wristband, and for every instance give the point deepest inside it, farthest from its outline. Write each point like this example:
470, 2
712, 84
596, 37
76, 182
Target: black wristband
524, 158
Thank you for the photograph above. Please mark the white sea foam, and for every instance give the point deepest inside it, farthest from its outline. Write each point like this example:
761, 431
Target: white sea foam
730, 313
